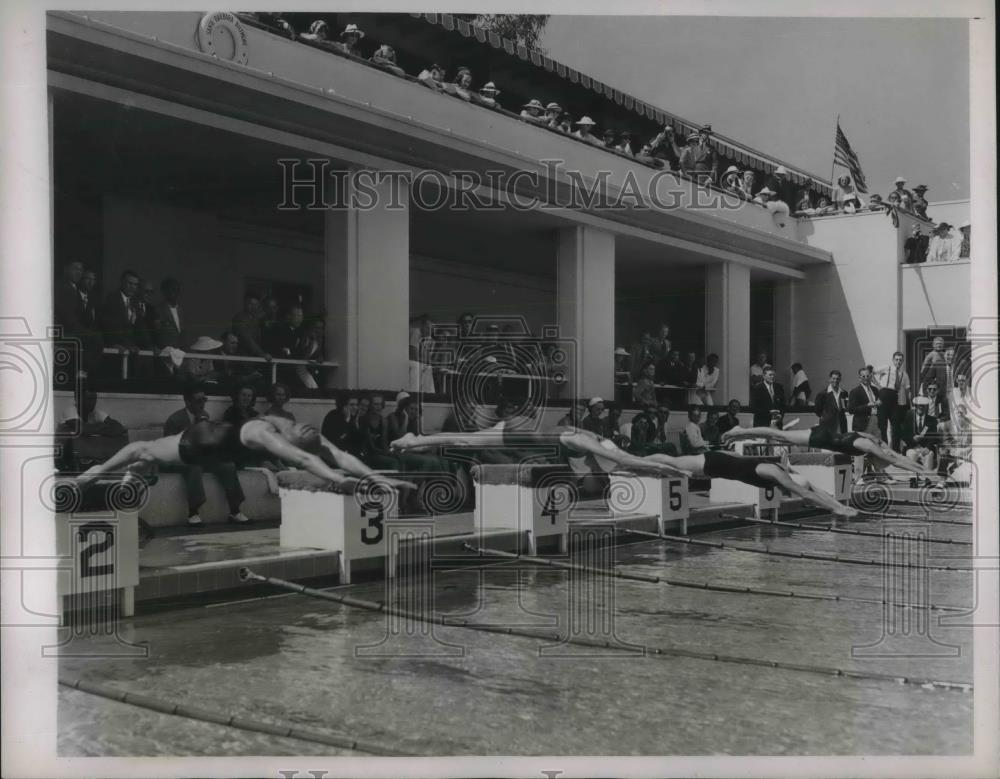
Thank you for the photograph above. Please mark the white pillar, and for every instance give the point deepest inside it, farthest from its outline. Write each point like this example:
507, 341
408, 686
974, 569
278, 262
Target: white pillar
727, 328
585, 294
367, 289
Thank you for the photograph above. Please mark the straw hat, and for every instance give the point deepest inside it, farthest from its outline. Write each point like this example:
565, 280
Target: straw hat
586, 121
352, 29
533, 103
205, 344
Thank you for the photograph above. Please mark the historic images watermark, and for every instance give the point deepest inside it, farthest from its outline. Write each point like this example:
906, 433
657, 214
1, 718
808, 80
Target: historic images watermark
312, 184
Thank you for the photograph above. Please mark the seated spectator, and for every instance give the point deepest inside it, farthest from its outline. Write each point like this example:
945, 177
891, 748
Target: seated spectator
247, 327
903, 196
692, 441
341, 426
242, 410
664, 149
875, 203
585, 123
710, 430
385, 58
763, 197
608, 138
920, 433
487, 95
229, 373
462, 85
552, 113
319, 33
801, 391
747, 184
275, 21
645, 351
350, 37
593, 421
852, 203
279, 396
575, 416
644, 392
622, 373
433, 77
915, 247
625, 146
533, 111
707, 380
823, 206
404, 418
731, 179
919, 201
941, 247
375, 437
309, 346
965, 247
198, 365
612, 427
730, 419
193, 413
644, 430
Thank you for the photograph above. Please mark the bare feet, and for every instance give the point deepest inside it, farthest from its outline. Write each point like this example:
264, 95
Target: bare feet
846, 511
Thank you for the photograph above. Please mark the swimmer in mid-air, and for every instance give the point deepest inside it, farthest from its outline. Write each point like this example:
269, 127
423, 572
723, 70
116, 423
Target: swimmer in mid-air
517, 433
853, 444
208, 442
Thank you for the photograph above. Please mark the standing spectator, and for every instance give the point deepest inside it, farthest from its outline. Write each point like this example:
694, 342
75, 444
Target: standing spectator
622, 373
699, 158
242, 410
748, 184
662, 347
919, 201
309, 346
708, 380
91, 342
863, 403
645, 389
763, 196
608, 138
421, 347
915, 247
803, 203
942, 246
845, 193
279, 396
731, 418
692, 441
934, 366
665, 149
198, 366
171, 332
593, 421
192, 414
147, 319
710, 429
247, 327
119, 318
757, 370
319, 32
644, 352
800, 386
960, 394
67, 301
875, 203
894, 393
692, 365
780, 183
903, 196
625, 146
731, 179
766, 397
965, 247
672, 371
281, 338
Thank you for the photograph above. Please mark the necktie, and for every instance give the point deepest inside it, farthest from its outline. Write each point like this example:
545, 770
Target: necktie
899, 379
770, 390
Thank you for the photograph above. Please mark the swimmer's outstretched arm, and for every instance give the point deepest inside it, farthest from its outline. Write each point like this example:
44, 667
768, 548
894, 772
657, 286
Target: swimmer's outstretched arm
584, 441
260, 437
491, 437
797, 484
355, 467
163, 451
793, 437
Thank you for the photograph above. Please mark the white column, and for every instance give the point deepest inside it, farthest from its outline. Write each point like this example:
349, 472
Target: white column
367, 289
585, 294
727, 327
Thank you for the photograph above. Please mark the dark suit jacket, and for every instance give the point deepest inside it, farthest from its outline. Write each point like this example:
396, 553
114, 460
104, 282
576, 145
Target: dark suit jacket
831, 414
168, 334
909, 430
858, 404
115, 325
178, 422
762, 405
68, 307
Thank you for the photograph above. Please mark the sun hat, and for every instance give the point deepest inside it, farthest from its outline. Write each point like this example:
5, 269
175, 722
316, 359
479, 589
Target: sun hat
205, 344
553, 107
586, 120
594, 401
352, 29
921, 400
620, 352
534, 103
489, 86
402, 395
899, 180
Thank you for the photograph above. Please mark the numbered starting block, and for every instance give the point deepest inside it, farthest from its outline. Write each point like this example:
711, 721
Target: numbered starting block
763, 499
525, 498
316, 514
828, 471
665, 497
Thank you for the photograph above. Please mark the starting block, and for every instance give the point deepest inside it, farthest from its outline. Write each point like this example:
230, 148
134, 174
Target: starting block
666, 497
525, 498
316, 514
828, 471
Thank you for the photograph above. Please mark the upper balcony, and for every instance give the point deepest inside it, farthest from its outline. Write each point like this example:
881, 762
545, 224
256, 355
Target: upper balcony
372, 118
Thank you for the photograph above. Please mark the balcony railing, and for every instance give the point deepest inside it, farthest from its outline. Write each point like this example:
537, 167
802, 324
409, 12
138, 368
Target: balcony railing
274, 362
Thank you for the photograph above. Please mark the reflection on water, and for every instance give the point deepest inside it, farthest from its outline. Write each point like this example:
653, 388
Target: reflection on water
297, 661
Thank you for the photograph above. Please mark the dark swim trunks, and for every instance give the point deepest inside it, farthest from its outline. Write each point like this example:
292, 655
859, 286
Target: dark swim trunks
725, 465
824, 438
211, 442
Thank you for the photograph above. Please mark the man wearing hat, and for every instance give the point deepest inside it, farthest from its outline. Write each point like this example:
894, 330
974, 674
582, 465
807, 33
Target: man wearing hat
919, 434
915, 247
593, 421
942, 246
781, 186
763, 196
487, 95
625, 147
664, 147
731, 179
904, 195
585, 123
875, 203
319, 32
919, 201
552, 113
698, 158
349, 40
533, 111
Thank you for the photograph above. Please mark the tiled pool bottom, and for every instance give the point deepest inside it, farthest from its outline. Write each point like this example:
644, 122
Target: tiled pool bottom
314, 664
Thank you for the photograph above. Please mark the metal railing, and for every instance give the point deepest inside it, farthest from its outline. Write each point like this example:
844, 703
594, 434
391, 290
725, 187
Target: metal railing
274, 362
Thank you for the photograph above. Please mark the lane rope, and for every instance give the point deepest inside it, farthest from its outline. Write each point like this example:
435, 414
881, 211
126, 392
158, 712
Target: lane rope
915, 517
726, 588
247, 575
843, 530
795, 555
226, 720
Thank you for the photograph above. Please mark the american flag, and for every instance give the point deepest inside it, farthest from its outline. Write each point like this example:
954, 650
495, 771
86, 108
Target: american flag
844, 156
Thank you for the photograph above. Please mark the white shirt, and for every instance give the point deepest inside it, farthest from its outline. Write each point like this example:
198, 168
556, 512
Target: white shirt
707, 380
175, 315
129, 308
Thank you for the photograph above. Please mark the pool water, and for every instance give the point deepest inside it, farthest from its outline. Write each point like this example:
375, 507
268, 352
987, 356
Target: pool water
305, 662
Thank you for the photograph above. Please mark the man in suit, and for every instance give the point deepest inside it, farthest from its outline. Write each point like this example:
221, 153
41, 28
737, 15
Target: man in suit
193, 413
894, 392
864, 404
171, 332
919, 434
766, 397
66, 300
119, 316
831, 405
